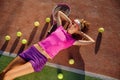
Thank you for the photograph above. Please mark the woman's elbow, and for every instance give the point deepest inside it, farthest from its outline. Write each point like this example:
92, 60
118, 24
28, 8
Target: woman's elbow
92, 41
58, 13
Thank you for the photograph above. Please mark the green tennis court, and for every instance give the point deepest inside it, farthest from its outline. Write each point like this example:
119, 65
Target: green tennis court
48, 73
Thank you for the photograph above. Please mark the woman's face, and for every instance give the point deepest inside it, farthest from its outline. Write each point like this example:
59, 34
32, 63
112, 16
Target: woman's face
73, 28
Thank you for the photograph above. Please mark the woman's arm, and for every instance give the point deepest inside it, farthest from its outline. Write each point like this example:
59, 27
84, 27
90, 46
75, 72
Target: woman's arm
88, 40
62, 17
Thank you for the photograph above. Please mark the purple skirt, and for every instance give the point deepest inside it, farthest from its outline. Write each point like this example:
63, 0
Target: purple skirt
34, 57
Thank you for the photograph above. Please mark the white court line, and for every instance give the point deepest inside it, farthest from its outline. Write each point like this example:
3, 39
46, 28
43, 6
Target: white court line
78, 71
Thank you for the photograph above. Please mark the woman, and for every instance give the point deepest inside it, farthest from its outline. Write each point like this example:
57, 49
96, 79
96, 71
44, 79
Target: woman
34, 58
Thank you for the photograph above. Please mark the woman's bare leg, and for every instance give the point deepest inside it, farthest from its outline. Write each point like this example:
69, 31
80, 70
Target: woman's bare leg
16, 62
19, 71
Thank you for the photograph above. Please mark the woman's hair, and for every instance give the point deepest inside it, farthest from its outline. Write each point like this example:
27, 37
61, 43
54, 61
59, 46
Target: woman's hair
76, 36
84, 25
84, 28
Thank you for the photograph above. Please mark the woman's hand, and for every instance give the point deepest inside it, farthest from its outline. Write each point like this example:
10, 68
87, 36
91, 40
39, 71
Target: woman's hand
62, 17
80, 33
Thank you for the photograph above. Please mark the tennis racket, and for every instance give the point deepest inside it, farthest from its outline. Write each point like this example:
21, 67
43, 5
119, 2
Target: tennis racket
59, 7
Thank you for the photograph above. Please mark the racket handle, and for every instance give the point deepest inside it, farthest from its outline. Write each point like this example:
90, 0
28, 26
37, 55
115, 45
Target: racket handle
50, 29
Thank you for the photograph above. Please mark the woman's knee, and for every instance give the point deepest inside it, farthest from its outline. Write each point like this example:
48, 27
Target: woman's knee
8, 76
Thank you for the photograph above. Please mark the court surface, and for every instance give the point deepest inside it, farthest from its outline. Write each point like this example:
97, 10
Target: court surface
101, 58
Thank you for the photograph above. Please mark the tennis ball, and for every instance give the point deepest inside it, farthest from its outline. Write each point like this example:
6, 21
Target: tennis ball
60, 76
71, 61
101, 30
24, 41
47, 20
36, 23
7, 37
19, 34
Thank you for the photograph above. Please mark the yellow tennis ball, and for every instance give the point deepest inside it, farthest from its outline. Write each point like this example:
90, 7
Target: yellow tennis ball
19, 34
71, 61
60, 76
7, 37
101, 30
47, 20
24, 41
36, 23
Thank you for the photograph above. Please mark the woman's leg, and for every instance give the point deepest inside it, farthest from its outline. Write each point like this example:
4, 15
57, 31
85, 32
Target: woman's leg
16, 62
19, 71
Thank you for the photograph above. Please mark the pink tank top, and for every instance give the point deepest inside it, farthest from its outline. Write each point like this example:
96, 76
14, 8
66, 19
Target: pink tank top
58, 40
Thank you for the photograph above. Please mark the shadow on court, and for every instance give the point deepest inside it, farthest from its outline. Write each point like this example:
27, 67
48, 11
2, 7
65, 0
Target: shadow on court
4, 46
98, 42
32, 35
43, 31
14, 45
75, 54
21, 49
